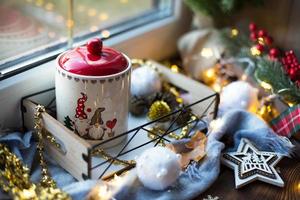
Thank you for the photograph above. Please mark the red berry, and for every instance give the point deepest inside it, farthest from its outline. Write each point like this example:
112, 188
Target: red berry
293, 76
260, 47
94, 46
268, 40
262, 33
274, 52
252, 26
253, 36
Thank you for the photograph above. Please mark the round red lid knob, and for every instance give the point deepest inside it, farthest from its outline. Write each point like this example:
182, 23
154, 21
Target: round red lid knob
93, 59
94, 46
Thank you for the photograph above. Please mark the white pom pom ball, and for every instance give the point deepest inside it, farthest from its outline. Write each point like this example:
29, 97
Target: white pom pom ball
158, 168
145, 81
239, 95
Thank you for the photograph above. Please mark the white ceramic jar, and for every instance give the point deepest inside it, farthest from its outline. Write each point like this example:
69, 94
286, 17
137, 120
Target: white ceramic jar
92, 91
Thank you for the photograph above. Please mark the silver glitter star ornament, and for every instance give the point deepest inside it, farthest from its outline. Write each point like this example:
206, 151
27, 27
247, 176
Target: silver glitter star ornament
250, 164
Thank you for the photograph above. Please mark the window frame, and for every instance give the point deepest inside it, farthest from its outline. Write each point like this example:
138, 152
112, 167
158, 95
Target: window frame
157, 40
27, 61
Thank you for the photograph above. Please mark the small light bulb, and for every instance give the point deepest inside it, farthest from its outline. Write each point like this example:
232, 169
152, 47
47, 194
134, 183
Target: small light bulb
105, 34
265, 85
174, 68
234, 32
254, 51
103, 16
261, 41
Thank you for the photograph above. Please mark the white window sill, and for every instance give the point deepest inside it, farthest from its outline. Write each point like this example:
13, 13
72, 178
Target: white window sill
156, 41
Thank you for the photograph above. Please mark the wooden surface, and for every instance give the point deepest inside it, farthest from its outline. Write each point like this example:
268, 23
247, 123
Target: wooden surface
289, 169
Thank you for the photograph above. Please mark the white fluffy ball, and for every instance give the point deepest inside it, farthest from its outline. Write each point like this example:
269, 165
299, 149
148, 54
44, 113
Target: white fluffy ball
145, 81
238, 95
158, 168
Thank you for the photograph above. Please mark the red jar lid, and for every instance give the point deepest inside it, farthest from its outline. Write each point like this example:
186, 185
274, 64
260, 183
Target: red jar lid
93, 60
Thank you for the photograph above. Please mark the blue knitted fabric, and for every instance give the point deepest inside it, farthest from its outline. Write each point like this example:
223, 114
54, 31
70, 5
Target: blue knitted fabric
195, 180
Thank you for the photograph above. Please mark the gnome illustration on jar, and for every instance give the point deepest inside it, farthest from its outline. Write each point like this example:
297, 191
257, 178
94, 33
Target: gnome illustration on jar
97, 129
81, 121
92, 89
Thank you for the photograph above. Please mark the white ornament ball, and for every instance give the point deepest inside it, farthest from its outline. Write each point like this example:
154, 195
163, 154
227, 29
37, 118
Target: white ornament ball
158, 168
238, 95
145, 81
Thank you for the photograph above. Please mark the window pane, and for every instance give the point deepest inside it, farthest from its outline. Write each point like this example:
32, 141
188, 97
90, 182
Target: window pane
92, 15
29, 25
29, 28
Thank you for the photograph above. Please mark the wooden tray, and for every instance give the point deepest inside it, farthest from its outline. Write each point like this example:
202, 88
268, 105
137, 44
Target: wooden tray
75, 154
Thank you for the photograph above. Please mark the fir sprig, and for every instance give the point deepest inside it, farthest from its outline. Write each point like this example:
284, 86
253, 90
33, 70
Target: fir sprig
272, 72
220, 8
237, 46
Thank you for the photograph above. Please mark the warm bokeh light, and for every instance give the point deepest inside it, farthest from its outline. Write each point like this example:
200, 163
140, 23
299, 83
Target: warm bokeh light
261, 41
216, 87
207, 52
174, 68
39, 3
70, 23
209, 76
105, 33
234, 32
254, 51
103, 16
265, 85
104, 193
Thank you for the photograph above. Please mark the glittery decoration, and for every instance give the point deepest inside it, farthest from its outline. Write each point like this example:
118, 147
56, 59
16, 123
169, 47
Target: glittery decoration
167, 97
15, 177
101, 153
250, 164
159, 109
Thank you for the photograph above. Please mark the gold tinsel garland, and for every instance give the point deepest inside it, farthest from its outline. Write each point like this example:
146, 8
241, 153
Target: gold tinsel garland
15, 177
100, 152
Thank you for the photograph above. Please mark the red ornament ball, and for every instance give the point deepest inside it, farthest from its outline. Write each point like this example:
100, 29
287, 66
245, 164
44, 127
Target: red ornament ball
252, 27
262, 33
253, 36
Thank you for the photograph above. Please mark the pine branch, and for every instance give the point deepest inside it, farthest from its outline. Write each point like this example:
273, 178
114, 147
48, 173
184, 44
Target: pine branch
220, 8
272, 73
237, 46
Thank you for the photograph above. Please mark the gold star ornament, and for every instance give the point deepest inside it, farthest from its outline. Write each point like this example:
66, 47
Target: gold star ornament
250, 164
